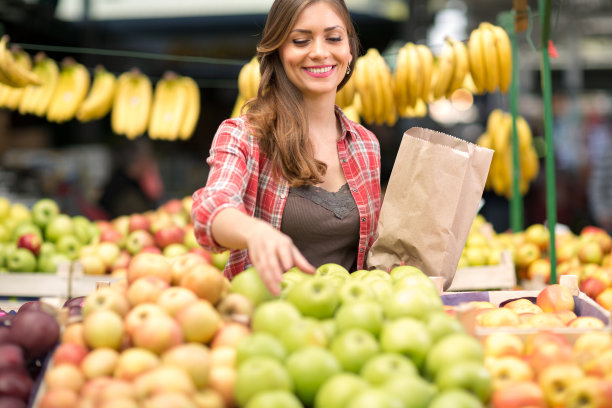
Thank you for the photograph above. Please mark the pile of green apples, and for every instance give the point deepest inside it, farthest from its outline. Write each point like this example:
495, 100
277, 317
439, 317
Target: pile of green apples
367, 339
39, 238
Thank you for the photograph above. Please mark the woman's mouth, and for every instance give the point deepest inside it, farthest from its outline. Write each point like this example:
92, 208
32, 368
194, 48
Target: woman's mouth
321, 71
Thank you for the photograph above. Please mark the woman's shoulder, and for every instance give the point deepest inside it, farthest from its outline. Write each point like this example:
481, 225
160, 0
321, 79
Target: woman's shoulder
237, 129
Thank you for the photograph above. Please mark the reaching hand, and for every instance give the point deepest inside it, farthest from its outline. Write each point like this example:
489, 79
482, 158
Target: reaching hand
272, 253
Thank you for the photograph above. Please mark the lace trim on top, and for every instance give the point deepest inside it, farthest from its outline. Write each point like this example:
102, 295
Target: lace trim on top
341, 202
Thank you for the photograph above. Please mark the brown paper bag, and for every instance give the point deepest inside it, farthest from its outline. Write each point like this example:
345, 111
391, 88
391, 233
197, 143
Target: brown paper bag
431, 200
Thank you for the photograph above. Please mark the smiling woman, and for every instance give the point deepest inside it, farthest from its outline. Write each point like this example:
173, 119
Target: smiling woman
299, 178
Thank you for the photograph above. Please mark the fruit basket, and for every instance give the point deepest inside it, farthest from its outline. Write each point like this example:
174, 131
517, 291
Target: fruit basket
466, 307
501, 276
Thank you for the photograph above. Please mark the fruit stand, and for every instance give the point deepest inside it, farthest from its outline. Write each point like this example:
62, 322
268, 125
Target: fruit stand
130, 311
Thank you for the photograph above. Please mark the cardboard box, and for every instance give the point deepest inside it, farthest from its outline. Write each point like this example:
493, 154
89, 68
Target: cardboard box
502, 276
584, 306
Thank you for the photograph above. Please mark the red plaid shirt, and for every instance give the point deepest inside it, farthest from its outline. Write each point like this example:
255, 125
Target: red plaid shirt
241, 176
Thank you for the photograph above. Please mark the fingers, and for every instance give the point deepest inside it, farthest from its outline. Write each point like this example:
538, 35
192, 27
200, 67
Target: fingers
302, 263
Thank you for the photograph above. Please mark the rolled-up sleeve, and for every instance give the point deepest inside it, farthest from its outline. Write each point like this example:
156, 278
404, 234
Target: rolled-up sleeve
230, 162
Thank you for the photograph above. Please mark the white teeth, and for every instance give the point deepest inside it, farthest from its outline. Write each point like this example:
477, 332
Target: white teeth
319, 70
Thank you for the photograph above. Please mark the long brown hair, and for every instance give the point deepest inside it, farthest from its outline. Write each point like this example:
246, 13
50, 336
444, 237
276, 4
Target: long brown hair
277, 116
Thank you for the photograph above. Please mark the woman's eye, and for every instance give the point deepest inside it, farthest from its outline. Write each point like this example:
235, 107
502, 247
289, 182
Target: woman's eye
335, 39
299, 41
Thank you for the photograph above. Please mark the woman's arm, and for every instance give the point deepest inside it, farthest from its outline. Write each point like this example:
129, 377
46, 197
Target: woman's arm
271, 252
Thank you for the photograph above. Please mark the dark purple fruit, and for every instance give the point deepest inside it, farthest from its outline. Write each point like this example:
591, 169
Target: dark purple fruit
15, 383
36, 332
76, 301
11, 356
12, 402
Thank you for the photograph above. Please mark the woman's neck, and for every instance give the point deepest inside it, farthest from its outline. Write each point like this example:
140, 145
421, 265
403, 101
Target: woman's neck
322, 121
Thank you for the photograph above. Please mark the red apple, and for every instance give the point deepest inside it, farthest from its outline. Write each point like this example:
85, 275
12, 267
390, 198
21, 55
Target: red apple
555, 297
64, 375
520, 394
174, 298
61, 397
207, 256
605, 299
586, 322
139, 314
112, 235
229, 334
205, 281
146, 289
592, 286
173, 206
171, 234
158, 333
182, 263
138, 222
149, 264
69, 353
137, 240
31, 242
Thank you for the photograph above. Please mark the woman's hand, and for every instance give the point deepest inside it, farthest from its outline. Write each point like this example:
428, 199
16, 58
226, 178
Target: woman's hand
272, 253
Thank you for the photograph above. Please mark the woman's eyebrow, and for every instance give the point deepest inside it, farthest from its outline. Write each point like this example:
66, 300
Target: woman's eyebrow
301, 30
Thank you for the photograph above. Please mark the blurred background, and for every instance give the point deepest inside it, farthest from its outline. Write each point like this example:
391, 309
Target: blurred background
72, 162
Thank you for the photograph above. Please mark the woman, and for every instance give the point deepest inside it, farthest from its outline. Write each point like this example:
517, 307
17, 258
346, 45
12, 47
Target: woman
294, 182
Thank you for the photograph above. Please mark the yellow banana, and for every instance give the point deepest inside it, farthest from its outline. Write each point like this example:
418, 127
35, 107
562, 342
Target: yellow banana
426, 58
419, 109
462, 67
132, 104
344, 97
99, 101
255, 77
362, 86
524, 134
375, 84
37, 97
12, 96
192, 110
244, 80
236, 111
490, 57
496, 127
71, 90
390, 112
351, 113
503, 49
172, 108
477, 63
530, 164
400, 80
445, 69
415, 75
162, 102
13, 73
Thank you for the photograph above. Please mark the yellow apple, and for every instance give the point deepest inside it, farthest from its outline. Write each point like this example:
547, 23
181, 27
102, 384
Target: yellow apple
503, 344
100, 362
193, 358
508, 369
134, 361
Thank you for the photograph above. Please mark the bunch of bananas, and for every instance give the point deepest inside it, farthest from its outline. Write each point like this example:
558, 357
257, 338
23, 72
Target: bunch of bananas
374, 85
15, 67
248, 84
71, 89
412, 79
99, 100
498, 136
175, 109
451, 68
490, 55
132, 104
36, 98
11, 96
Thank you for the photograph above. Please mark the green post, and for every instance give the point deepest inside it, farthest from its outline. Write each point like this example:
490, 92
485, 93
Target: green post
544, 7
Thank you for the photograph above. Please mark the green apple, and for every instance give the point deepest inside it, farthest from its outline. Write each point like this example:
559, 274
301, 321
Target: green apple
5, 233
315, 297
374, 274
19, 212
274, 316
422, 282
190, 240
339, 389
82, 229
468, 375
68, 245
21, 260
455, 398
274, 399
330, 327
332, 269
172, 250
451, 349
353, 348
382, 288
382, 367
259, 344
353, 290
375, 397
306, 331
367, 315
220, 259
259, 374
358, 274
43, 211
415, 392
59, 226
405, 270
250, 284
49, 263
25, 227
411, 302
407, 336
439, 325
309, 368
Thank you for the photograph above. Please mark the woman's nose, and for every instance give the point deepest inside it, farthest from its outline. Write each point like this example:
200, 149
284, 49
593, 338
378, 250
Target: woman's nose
319, 48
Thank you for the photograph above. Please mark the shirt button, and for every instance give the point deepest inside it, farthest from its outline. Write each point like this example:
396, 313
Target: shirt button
361, 250
344, 160
283, 195
354, 190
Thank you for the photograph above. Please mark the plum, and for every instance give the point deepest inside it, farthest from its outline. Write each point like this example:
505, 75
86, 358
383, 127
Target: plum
35, 331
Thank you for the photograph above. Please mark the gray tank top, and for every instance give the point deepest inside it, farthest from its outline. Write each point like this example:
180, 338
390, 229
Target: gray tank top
324, 225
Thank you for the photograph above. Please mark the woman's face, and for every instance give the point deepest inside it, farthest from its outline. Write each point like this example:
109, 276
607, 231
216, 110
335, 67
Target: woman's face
316, 54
